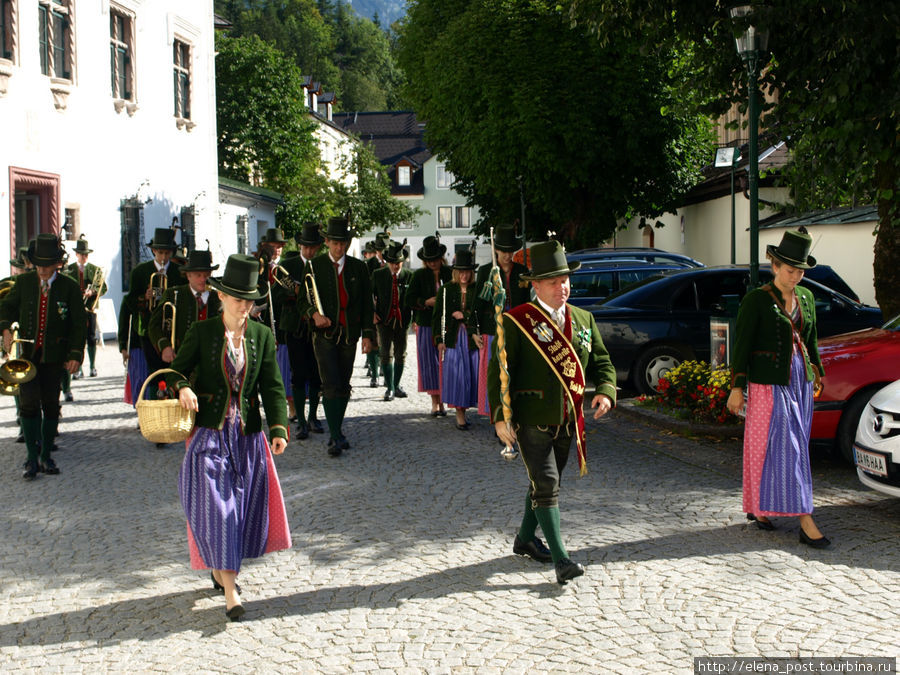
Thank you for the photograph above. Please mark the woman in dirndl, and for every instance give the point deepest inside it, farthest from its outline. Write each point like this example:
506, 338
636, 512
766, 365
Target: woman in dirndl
453, 312
228, 484
776, 352
421, 295
516, 291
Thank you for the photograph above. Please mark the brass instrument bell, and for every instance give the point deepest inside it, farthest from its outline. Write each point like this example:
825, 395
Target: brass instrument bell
17, 370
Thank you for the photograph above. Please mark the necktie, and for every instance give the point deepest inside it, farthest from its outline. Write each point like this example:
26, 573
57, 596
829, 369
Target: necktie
201, 307
559, 317
45, 287
343, 297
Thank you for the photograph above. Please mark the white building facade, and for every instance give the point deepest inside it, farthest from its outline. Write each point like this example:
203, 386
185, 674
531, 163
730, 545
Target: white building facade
108, 109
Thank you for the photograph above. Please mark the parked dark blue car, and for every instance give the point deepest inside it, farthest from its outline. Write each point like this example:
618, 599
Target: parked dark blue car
652, 326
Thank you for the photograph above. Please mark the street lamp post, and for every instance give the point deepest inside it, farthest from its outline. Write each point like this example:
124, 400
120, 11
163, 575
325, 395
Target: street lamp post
750, 43
730, 157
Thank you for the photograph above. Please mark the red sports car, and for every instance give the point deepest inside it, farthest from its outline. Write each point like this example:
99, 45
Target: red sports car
856, 366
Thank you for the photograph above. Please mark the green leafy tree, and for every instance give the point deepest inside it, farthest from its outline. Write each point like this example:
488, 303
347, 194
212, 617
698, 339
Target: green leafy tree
265, 136
833, 65
369, 196
520, 103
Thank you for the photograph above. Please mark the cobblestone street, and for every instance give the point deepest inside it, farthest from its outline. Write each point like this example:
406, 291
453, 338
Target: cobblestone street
402, 559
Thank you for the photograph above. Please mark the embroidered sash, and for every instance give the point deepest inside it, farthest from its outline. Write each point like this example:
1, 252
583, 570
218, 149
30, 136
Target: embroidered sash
552, 344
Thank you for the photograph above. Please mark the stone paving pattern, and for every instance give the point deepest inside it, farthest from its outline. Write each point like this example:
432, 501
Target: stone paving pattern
402, 559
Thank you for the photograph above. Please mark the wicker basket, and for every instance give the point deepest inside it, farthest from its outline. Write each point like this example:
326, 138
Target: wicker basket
163, 421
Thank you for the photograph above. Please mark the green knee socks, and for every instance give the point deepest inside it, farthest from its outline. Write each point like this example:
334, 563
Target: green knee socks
548, 517
388, 370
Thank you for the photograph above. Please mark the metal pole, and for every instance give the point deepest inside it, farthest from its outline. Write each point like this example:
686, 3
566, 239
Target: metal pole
733, 162
522, 218
754, 171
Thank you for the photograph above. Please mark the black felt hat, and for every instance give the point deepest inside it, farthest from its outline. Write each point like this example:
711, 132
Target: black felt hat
273, 235
338, 229
199, 261
381, 240
81, 246
505, 239
794, 249
548, 260
21, 259
46, 250
163, 238
240, 278
396, 252
310, 235
465, 260
432, 249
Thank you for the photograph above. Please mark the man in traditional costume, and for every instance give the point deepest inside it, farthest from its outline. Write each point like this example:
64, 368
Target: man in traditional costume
551, 350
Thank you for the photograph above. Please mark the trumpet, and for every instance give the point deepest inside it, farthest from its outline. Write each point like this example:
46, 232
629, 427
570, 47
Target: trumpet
284, 279
171, 319
96, 286
16, 370
312, 292
158, 285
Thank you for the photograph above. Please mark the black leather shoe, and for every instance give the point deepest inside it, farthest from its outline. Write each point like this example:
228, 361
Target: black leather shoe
821, 542
49, 467
373, 383
567, 569
766, 525
463, 427
388, 395
235, 613
534, 549
69, 397
20, 438
93, 372
333, 448
399, 393
343, 443
78, 375
315, 426
31, 470
302, 431
219, 587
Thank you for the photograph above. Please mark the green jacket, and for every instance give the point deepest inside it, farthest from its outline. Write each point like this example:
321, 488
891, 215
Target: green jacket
453, 294
89, 271
535, 391
421, 287
373, 264
139, 282
517, 292
64, 334
186, 314
763, 342
383, 289
358, 285
202, 359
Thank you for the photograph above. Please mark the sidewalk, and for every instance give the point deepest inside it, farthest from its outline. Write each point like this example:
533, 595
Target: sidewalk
402, 559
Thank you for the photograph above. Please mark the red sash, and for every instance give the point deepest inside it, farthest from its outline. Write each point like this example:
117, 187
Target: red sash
552, 344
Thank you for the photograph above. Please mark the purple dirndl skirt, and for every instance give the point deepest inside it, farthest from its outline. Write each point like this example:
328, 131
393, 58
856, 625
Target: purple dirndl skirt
231, 497
427, 358
136, 374
777, 476
461, 373
284, 365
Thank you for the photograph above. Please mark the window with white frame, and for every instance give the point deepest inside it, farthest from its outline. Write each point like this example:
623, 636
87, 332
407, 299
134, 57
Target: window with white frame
7, 33
55, 38
462, 217
405, 225
403, 175
121, 54
443, 179
445, 216
182, 73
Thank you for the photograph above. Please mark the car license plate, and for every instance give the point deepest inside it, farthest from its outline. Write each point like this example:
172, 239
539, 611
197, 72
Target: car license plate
870, 461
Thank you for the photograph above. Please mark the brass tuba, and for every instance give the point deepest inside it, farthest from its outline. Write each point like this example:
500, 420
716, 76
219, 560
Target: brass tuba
16, 370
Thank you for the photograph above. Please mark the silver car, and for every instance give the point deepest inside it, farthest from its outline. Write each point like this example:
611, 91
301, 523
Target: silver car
876, 451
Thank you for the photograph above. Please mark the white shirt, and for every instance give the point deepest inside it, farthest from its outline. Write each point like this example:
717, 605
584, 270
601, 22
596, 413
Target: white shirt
552, 312
340, 263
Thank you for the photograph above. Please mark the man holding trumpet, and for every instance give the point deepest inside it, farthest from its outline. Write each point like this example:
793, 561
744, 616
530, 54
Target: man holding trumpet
49, 311
148, 282
184, 305
341, 309
92, 282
